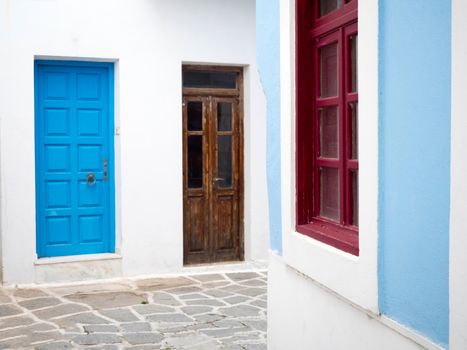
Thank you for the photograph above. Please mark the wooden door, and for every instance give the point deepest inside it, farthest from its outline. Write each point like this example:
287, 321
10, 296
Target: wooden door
212, 179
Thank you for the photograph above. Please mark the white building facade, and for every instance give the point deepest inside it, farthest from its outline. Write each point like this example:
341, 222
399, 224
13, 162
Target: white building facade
101, 82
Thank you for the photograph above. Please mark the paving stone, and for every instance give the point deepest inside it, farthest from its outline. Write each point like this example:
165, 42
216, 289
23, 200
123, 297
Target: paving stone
241, 276
169, 318
4, 299
254, 283
108, 300
218, 293
193, 296
207, 302
60, 345
224, 332
165, 299
215, 284
39, 303
240, 311
232, 347
16, 343
261, 303
185, 290
259, 325
42, 337
155, 284
59, 310
236, 299
121, 315
90, 288
232, 288
208, 278
229, 323
100, 328
209, 317
9, 310
29, 293
136, 327
195, 310
96, 339
106, 347
15, 322
143, 338
185, 340
152, 309
83, 318
25, 331
252, 292
244, 338
254, 346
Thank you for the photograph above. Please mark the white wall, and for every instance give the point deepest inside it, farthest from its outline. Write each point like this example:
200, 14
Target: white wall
323, 320
458, 227
148, 40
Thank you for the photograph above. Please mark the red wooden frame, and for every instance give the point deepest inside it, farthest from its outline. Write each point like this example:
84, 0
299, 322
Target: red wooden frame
313, 32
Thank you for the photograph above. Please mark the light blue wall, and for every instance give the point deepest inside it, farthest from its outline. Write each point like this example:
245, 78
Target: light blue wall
267, 36
415, 70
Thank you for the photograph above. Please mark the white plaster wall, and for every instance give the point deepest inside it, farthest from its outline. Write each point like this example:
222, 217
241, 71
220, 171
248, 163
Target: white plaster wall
148, 40
303, 315
458, 230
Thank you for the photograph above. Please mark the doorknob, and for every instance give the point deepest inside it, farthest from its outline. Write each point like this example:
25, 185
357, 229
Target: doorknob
91, 179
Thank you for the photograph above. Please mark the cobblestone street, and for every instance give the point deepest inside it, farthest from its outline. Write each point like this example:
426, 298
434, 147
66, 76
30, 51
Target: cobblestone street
210, 311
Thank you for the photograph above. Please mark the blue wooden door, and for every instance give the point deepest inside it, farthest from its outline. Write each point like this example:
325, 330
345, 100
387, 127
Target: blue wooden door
74, 158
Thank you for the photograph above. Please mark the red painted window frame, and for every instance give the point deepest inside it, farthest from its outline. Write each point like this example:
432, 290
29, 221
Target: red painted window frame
312, 32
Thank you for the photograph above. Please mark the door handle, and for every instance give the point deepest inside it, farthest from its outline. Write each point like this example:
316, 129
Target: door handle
91, 179
105, 169
219, 179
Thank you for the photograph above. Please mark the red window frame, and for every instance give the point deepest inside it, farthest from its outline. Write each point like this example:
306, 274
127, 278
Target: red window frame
313, 32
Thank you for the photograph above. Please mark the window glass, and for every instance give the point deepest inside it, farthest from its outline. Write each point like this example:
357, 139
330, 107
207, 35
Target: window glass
353, 44
328, 70
224, 116
354, 131
327, 6
354, 182
209, 79
328, 132
195, 161
329, 193
195, 116
224, 160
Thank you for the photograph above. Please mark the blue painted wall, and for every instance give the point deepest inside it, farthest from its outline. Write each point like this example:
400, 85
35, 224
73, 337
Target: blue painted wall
415, 84
267, 41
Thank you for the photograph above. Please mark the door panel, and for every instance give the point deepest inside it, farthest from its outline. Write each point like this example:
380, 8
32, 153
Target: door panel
74, 155
211, 198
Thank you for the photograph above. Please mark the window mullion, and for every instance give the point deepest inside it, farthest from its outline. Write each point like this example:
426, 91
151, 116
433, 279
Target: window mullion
342, 138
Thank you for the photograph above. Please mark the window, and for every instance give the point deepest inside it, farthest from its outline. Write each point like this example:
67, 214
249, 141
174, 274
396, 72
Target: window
327, 122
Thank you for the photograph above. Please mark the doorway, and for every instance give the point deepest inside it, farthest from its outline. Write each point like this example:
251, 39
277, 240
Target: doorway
212, 164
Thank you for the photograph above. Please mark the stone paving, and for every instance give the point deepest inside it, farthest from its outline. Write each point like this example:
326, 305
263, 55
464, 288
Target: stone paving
197, 312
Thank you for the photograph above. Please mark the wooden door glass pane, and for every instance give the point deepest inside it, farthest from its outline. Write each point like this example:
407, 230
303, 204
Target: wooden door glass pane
195, 116
329, 194
353, 43
224, 160
195, 161
328, 70
329, 131
354, 129
224, 116
354, 184
326, 6
210, 79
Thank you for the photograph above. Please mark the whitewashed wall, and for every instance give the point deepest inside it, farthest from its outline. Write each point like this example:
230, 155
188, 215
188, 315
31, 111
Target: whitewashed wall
149, 40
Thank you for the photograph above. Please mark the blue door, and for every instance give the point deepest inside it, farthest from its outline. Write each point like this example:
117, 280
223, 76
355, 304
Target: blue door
74, 158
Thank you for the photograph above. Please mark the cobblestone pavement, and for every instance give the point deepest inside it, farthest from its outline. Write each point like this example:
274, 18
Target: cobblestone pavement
198, 312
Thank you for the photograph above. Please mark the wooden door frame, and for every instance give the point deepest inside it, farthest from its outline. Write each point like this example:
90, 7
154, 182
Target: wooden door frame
219, 92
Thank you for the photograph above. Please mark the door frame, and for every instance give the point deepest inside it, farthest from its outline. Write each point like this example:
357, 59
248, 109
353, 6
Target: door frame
220, 92
110, 66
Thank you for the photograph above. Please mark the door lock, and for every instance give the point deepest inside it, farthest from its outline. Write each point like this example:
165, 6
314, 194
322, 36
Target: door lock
91, 179
105, 169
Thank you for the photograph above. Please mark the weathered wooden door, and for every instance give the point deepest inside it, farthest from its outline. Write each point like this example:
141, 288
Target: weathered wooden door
212, 141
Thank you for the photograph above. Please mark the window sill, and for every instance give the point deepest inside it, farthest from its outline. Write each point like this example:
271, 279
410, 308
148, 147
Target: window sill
339, 237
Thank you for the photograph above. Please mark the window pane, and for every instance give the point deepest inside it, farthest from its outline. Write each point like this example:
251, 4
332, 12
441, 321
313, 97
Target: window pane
195, 116
353, 63
224, 116
329, 193
354, 126
224, 160
328, 70
195, 161
354, 184
326, 6
210, 79
329, 131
